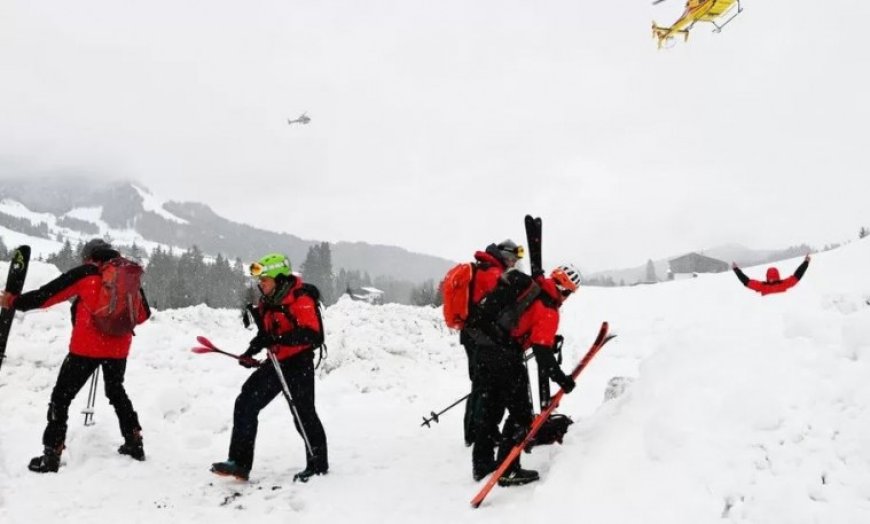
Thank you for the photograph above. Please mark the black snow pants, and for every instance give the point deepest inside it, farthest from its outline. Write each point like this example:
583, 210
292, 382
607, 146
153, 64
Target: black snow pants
259, 390
503, 380
472, 405
74, 373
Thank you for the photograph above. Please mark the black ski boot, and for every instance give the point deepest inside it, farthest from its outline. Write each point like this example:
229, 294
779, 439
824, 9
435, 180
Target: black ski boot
518, 476
132, 447
309, 472
229, 468
480, 472
48, 462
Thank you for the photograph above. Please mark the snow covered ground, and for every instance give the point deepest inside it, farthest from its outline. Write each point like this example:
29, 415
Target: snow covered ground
742, 409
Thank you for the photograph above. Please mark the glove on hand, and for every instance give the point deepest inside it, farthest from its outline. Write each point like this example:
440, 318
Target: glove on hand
565, 382
262, 340
247, 361
7, 299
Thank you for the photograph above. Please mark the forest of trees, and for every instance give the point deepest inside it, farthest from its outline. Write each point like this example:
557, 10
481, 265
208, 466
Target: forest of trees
180, 279
176, 280
24, 226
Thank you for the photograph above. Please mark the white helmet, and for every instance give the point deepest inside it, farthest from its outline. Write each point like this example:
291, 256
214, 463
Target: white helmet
567, 277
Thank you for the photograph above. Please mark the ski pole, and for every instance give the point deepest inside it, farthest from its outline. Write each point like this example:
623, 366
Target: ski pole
435, 416
209, 347
286, 390
92, 398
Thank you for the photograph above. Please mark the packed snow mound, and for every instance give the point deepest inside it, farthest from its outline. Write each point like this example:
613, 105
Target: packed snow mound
744, 408
733, 407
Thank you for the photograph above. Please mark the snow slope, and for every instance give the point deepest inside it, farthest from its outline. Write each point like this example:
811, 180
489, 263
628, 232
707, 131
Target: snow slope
154, 204
43, 247
742, 409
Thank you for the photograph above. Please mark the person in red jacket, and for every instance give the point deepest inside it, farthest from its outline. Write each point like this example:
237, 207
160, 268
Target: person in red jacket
773, 283
89, 348
289, 325
489, 265
504, 380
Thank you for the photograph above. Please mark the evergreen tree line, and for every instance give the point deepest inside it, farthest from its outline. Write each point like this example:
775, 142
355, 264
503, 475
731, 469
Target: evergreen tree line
88, 228
24, 225
179, 280
427, 294
187, 280
317, 269
173, 281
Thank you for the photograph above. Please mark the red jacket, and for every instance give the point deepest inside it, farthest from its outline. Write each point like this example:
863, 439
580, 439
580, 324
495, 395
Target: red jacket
489, 270
539, 323
294, 324
773, 284
82, 283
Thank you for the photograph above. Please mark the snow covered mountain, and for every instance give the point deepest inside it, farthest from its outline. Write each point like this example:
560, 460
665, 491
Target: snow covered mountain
39, 210
742, 409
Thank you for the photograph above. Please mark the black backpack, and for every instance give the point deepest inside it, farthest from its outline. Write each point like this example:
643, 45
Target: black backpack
552, 431
491, 321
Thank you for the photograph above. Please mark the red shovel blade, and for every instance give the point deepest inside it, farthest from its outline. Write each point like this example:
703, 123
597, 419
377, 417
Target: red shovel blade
205, 342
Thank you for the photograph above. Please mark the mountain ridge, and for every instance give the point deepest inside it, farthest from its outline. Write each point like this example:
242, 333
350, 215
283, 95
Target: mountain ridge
122, 207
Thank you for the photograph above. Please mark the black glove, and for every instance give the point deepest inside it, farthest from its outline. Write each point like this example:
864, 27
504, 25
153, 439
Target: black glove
565, 382
547, 362
262, 340
247, 361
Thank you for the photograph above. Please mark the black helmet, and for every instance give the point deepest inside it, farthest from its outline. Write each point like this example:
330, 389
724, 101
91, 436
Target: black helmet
95, 246
511, 248
507, 251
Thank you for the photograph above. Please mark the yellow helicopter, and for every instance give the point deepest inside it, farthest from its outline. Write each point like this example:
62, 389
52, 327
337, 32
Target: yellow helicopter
696, 11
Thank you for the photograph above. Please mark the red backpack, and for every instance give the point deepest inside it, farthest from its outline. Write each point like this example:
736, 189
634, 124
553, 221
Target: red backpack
456, 291
119, 301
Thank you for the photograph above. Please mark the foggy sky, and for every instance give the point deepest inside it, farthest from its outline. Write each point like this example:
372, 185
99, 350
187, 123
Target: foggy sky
437, 125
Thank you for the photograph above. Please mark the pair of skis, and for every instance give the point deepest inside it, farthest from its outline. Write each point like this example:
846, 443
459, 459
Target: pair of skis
534, 229
603, 338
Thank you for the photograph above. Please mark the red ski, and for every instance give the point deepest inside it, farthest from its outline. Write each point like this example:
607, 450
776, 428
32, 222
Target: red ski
602, 338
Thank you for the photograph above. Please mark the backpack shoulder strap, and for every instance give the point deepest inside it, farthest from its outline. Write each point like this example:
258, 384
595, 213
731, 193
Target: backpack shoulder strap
311, 290
307, 289
509, 318
474, 267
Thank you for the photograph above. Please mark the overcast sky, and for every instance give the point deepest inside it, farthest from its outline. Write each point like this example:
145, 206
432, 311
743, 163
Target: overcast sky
437, 125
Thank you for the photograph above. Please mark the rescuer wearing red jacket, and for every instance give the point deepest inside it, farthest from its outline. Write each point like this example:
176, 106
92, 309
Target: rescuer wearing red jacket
489, 265
89, 348
773, 284
504, 380
289, 325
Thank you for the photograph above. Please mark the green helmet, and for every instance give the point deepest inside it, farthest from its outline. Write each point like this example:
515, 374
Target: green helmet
271, 265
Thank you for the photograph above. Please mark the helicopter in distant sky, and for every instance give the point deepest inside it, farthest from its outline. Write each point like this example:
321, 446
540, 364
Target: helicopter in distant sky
697, 11
301, 119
